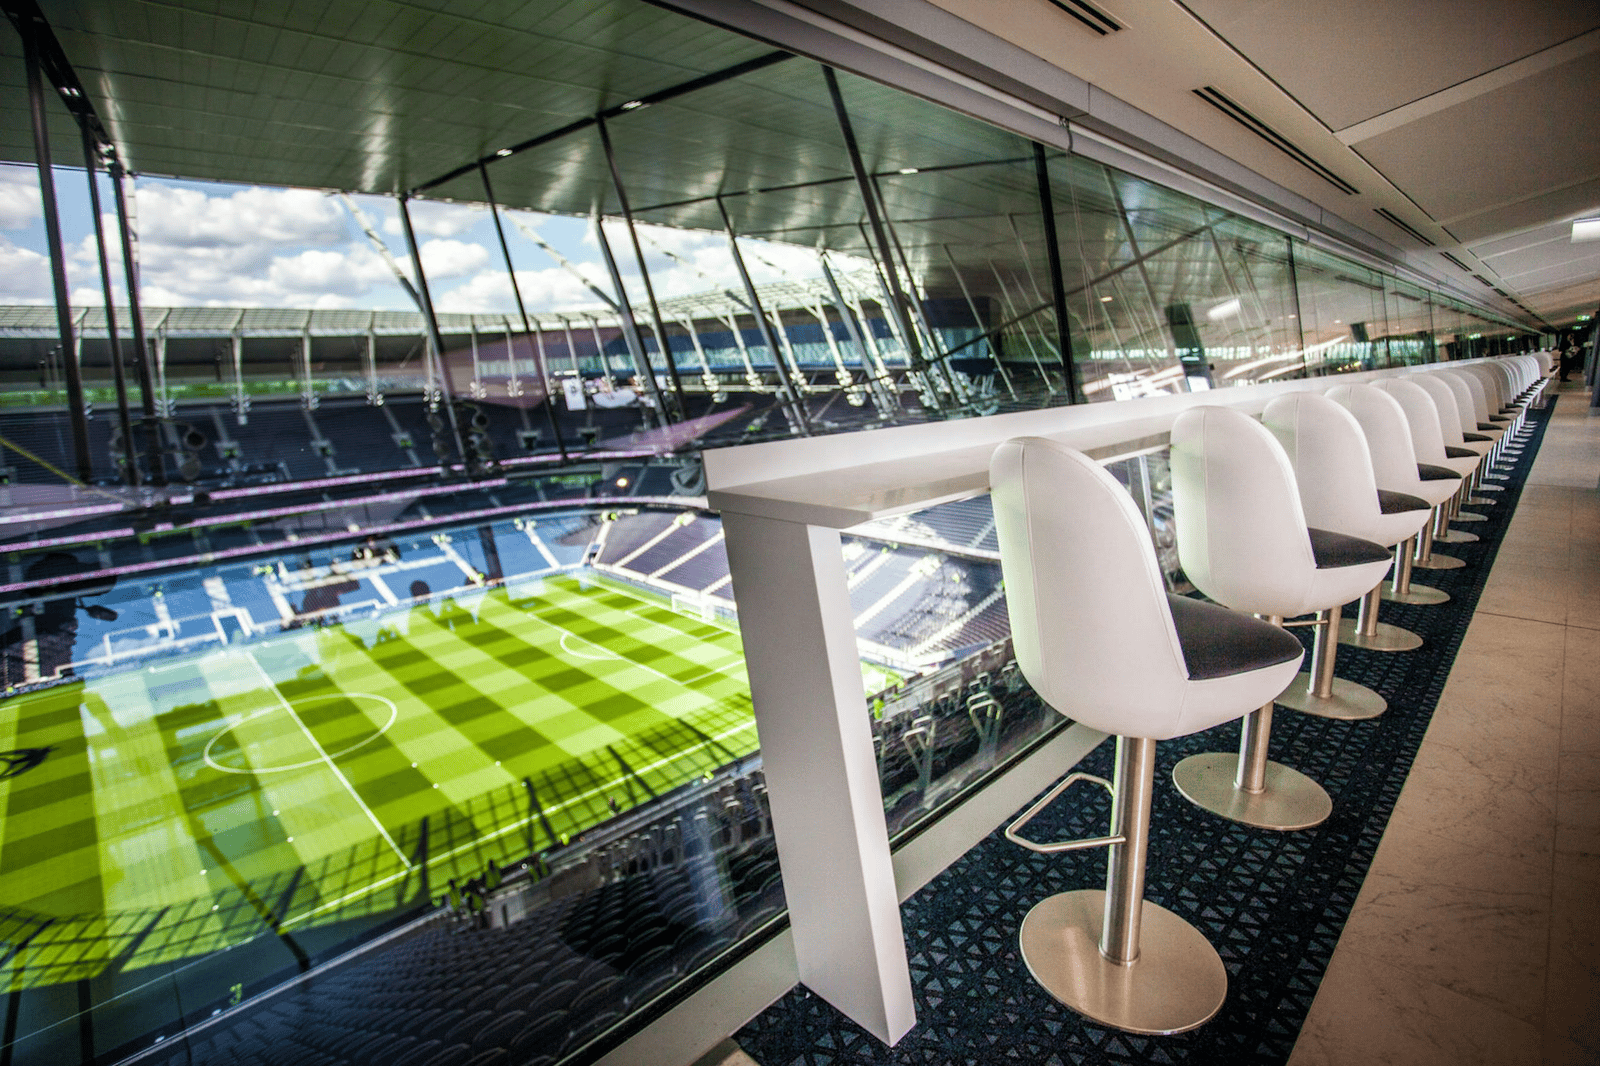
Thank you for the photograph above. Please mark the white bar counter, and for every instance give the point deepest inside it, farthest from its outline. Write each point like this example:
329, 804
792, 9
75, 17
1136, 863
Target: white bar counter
783, 505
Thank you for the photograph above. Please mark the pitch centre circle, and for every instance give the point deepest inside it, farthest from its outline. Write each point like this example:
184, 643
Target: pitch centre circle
291, 709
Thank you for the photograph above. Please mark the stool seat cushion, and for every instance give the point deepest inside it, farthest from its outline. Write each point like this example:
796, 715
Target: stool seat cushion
1477, 438
1217, 642
1334, 550
1453, 452
1400, 502
1429, 472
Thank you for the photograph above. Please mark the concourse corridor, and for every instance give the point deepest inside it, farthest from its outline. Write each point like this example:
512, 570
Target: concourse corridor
1476, 935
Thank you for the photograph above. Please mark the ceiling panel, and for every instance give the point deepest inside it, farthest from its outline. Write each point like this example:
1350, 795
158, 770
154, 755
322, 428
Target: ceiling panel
1502, 147
1348, 60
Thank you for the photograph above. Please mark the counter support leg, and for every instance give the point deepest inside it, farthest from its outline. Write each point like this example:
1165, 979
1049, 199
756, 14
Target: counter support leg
822, 778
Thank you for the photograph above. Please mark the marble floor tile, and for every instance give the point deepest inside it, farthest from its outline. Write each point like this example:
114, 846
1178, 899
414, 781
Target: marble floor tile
1580, 691
1473, 940
1496, 808
1513, 663
1526, 586
1578, 804
1572, 1007
1368, 1012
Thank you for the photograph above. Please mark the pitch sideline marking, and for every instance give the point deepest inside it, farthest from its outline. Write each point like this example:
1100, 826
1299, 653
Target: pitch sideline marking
389, 879
312, 740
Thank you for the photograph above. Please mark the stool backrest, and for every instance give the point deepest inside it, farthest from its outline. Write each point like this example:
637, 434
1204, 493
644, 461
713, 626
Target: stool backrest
1241, 531
1090, 624
1422, 415
1444, 402
1489, 381
1480, 398
1332, 464
1466, 410
1383, 423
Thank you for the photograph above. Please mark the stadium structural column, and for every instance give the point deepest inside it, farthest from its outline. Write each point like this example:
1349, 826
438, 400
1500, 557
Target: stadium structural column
141, 347
630, 326
644, 271
884, 254
435, 338
522, 310
76, 412
1299, 318
113, 336
1058, 288
797, 410
821, 774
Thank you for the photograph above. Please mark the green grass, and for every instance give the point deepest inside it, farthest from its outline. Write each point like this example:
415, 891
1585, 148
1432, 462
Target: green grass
193, 804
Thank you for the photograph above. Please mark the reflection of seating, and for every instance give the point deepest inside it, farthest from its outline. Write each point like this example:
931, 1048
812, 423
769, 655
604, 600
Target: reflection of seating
1333, 471
1244, 542
1101, 641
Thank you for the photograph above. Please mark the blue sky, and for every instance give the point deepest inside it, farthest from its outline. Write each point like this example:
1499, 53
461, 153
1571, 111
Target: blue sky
213, 244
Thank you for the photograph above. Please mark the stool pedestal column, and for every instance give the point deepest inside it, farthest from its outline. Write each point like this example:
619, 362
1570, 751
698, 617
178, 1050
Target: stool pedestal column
1113, 956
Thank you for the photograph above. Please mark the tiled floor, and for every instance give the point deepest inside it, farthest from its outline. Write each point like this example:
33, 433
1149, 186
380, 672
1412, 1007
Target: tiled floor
1476, 937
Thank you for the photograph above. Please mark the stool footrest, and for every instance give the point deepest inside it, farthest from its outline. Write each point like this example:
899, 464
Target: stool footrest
1048, 798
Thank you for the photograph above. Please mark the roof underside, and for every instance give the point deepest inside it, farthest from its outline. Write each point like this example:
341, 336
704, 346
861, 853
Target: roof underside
382, 97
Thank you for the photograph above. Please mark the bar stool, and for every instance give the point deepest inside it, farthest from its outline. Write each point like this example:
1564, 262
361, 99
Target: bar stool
1477, 437
1338, 491
1434, 464
1243, 541
1395, 468
1102, 642
1457, 445
1485, 400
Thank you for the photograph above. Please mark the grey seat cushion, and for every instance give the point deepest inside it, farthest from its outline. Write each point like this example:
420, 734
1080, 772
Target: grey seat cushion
1333, 550
1218, 642
1399, 502
1429, 472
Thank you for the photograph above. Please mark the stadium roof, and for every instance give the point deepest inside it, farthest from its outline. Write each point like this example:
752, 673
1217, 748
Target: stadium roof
386, 97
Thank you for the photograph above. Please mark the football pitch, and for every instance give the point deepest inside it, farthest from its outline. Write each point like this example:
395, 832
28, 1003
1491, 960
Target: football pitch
315, 775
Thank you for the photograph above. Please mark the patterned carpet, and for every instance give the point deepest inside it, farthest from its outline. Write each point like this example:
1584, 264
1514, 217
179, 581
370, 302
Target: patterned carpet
1273, 904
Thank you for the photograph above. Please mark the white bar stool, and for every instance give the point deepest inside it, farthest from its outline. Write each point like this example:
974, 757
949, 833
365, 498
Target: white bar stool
1102, 642
1244, 542
1395, 467
1339, 491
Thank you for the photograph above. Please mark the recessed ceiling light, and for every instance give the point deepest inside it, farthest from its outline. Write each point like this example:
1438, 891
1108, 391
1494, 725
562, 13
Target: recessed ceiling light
907, 170
1585, 229
503, 152
633, 105
1105, 299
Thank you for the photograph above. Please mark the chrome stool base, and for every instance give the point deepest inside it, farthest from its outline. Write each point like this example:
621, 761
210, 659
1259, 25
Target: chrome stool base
1289, 800
1481, 501
1418, 595
1177, 983
1455, 536
1440, 562
1349, 702
1491, 488
1470, 516
1387, 638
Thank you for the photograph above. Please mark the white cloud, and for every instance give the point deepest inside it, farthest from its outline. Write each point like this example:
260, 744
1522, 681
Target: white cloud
19, 197
489, 292
177, 216
431, 219
24, 275
452, 259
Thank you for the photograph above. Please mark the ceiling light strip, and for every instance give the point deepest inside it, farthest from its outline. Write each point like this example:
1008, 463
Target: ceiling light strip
1221, 102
